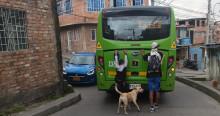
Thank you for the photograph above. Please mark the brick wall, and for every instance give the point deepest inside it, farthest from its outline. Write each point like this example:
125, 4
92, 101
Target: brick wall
30, 73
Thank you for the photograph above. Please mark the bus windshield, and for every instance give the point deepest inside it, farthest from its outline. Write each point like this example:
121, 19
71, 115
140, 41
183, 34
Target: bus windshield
136, 28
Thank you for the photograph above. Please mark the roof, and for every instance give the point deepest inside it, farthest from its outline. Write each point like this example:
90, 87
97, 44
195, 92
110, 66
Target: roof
191, 19
149, 10
75, 24
84, 53
135, 8
211, 45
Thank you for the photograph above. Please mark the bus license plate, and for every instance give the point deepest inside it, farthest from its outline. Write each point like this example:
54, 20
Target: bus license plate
75, 78
132, 86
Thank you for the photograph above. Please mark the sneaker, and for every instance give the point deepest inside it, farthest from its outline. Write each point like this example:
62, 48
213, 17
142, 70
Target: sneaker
152, 109
156, 106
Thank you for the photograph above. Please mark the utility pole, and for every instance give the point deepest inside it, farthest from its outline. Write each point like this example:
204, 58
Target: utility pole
208, 21
207, 34
60, 89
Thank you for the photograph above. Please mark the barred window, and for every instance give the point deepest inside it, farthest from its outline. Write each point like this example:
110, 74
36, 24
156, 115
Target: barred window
64, 7
13, 34
119, 3
137, 2
68, 6
59, 7
95, 5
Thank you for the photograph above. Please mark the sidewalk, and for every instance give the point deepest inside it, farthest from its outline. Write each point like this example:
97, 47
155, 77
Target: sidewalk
52, 106
198, 80
191, 73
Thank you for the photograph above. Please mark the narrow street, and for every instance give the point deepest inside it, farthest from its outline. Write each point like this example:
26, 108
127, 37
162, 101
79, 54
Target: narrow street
184, 101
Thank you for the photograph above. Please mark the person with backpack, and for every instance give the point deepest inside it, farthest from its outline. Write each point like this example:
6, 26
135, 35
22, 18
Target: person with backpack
154, 73
121, 66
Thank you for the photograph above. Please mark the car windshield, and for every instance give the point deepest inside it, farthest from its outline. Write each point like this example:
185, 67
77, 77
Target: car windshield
82, 60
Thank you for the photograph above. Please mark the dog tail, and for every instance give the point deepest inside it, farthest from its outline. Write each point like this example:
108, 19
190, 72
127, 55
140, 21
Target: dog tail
116, 89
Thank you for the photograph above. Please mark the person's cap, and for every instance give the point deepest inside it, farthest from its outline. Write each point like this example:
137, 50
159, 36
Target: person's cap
154, 45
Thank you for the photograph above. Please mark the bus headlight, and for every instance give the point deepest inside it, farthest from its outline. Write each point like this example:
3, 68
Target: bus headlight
91, 72
172, 69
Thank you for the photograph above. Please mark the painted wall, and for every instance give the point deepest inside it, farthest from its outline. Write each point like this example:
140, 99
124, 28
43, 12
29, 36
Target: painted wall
197, 51
185, 41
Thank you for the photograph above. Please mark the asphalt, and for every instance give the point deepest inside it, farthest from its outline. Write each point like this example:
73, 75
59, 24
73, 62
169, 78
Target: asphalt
196, 79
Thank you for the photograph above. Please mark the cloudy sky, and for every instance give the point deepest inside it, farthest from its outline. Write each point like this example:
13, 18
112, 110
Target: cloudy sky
192, 8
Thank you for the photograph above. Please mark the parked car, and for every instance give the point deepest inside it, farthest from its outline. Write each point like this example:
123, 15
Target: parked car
190, 64
80, 69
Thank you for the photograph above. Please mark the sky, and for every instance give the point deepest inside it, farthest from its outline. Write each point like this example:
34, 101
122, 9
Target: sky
185, 9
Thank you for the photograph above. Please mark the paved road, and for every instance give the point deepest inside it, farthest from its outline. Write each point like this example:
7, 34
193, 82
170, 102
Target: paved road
184, 101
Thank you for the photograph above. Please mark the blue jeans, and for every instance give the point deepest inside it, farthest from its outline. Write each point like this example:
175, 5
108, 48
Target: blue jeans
154, 84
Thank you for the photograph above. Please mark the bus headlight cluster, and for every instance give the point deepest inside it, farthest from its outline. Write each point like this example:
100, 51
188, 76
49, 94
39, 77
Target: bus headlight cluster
172, 69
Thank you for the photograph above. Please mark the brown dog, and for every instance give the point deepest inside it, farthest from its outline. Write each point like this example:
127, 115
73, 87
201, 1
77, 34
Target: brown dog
128, 97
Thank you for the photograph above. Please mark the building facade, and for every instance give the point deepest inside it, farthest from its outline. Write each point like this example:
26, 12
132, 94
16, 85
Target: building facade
28, 51
78, 21
194, 32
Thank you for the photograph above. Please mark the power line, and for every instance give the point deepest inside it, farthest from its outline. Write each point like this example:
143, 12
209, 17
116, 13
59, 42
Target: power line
180, 8
214, 16
170, 1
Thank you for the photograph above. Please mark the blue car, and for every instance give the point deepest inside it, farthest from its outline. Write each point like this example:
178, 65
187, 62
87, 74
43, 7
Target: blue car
80, 69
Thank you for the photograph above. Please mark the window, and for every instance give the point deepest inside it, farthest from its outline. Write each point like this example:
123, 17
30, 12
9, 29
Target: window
68, 6
76, 35
197, 23
203, 23
119, 3
95, 5
183, 32
138, 3
136, 26
59, 8
13, 34
64, 7
93, 31
69, 39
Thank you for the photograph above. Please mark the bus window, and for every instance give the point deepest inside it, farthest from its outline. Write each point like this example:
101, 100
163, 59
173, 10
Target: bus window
136, 28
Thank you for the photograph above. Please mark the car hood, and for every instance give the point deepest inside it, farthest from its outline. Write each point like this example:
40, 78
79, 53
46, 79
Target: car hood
79, 69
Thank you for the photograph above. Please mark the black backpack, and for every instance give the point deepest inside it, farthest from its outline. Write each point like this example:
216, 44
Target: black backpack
154, 64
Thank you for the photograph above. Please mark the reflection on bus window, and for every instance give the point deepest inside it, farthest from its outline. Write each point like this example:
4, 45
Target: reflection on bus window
136, 27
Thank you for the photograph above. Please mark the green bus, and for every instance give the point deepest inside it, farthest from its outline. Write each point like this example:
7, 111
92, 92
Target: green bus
134, 29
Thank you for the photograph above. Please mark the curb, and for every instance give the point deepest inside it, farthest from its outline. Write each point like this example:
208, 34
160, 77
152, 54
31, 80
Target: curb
215, 94
53, 106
